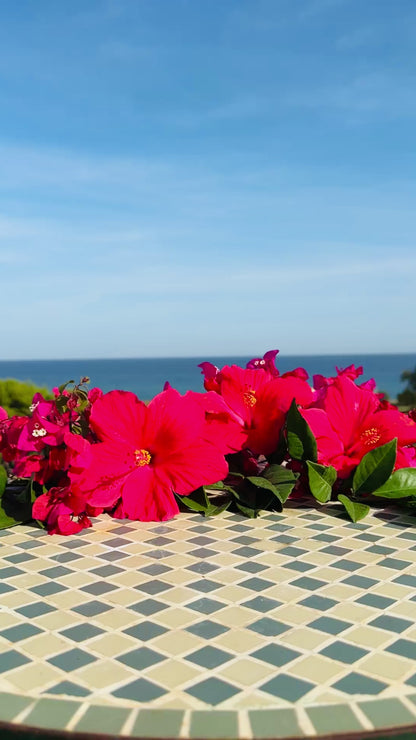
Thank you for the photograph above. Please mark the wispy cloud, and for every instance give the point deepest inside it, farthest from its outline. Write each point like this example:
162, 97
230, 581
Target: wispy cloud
373, 93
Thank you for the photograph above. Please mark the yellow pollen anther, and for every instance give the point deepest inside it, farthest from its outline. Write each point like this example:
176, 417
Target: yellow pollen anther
249, 398
142, 457
370, 437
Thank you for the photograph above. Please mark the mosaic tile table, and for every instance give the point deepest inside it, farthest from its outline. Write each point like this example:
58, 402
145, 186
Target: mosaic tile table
292, 625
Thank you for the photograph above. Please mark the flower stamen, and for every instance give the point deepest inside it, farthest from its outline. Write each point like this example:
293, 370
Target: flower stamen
142, 457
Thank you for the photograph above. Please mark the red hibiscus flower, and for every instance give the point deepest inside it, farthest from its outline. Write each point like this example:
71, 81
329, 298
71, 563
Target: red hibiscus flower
145, 454
351, 421
259, 402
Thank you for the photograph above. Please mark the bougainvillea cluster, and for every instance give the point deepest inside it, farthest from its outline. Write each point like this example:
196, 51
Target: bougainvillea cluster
251, 441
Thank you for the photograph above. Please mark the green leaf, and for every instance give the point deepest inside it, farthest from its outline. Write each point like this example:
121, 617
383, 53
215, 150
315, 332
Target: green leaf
402, 483
196, 501
283, 478
321, 480
355, 510
3, 480
300, 439
15, 505
375, 468
215, 510
260, 482
247, 510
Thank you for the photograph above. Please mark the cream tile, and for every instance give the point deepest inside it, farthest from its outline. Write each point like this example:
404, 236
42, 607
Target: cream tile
174, 674
35, 676
246, 672
316, 668
104, 674
368, 637
387, 667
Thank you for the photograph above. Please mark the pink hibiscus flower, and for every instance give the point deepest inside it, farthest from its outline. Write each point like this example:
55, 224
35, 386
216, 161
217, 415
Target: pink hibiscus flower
259, 402
145, 454
351, 421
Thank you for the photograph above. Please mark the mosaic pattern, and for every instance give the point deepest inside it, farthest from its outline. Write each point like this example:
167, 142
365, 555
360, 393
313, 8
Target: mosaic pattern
292, 624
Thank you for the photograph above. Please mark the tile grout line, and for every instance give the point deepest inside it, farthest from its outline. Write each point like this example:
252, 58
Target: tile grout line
362, 718
185, 727
305, 723
128, 725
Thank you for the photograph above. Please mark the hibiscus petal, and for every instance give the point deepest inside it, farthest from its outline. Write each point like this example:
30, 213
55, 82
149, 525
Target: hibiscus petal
119, 416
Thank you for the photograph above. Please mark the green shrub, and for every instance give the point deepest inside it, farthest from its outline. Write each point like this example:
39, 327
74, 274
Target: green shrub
16, 396
408, 396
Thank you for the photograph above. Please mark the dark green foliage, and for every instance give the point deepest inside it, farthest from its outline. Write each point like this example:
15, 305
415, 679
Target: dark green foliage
408, 396
16, 396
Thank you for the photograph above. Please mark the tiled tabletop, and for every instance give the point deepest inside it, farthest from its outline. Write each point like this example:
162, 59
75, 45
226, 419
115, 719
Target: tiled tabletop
291, 625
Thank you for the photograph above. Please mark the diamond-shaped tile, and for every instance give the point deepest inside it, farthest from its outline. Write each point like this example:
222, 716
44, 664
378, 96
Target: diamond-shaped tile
145, 631
91, 608
153, 587
343, 652
308, 583
392, 624
405, 648
330, 625
20, 632
276, 655
357, 683
268, 627
140, 690
212, 691
141, 658
209, 657
202, 568
207, 629
67, 688
148, 607
287, 687
256, 584
252, 567
319, 602
72, 660
155, 569
378, 602
36, 609
206, 606
82, 632
12, 659
98, 588
262, 604
205, 585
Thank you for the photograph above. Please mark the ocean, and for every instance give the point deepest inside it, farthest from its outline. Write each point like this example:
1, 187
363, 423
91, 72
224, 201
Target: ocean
146, 377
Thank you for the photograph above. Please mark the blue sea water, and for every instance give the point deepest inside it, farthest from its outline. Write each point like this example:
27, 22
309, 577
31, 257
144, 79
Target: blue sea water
146, 377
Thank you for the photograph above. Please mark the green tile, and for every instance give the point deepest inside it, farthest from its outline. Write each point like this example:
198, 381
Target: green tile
12, 659
330, 625
357, 683
212, 691
344, 652
319, 602
336, 718
96, 719
379, 602
277, 655
405, 648
214, 725
11, 705
393, 624
52, 713
287, 687
158, 723
209, 657
274, 723
387, 713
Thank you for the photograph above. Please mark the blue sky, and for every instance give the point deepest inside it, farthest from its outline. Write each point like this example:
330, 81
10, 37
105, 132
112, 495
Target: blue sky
207, 177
